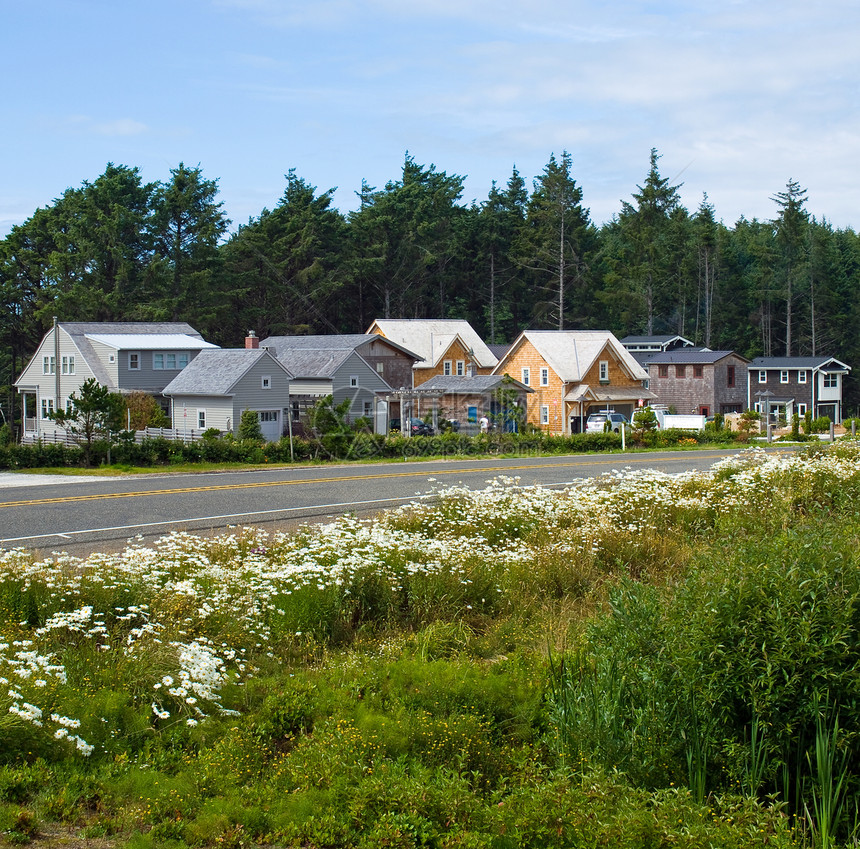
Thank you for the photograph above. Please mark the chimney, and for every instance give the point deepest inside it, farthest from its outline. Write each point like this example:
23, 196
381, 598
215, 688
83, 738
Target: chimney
251, 340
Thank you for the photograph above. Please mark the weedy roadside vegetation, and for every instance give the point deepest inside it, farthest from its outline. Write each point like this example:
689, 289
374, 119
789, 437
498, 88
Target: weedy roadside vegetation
638, 660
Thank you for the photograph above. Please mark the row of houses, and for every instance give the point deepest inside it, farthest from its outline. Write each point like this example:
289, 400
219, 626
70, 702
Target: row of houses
401, 369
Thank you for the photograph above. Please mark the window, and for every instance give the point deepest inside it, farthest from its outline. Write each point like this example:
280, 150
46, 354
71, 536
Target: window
783, 376
267, 415
266, 381
801, 410
831, 380
169, 360
49, 366
47, 407
201, 419
762, 376
603, 367
353, 380
525, 376
698, 371
133, 361
663, 371
730, 376
461, 368
544, 414
367, 410
380, 368
68, 365
544, 377
446, 368
680, 371
801, 376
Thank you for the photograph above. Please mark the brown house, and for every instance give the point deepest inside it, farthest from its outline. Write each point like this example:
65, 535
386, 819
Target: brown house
447, 347
574, 373
702, 382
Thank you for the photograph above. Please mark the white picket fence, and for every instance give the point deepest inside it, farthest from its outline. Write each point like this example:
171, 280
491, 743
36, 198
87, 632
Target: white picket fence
61, 437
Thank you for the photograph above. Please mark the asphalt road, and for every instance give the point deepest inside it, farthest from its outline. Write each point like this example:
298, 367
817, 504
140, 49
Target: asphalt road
82, 515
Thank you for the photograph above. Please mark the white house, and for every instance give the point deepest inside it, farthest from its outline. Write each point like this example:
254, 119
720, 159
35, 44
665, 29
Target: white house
123, 356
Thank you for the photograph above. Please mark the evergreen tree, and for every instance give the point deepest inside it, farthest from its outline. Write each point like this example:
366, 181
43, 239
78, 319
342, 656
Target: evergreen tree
790, 226
557, 242
187, 225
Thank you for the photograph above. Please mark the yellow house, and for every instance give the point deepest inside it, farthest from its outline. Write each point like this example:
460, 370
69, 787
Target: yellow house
574, 373
447, 347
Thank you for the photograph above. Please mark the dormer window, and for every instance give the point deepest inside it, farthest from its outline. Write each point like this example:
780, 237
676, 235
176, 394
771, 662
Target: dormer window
446, 368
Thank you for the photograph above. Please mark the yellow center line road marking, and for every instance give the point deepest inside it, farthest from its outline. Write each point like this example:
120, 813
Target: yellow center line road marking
616, 460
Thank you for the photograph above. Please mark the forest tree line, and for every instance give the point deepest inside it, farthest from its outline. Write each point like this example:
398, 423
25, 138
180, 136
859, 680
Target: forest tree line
120, 249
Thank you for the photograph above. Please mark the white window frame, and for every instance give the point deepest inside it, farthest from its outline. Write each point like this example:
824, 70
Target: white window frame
380, 367
762, 376
446, 368
158, 361
801, 376
182, 360
49, 365
783, 375
603, 370
368, 409
353, 381
266, 381
801, 409
830, 381
201, 419
461, 368
526, 376
134, 360
544, 414
47, 407
544, 376
68, 364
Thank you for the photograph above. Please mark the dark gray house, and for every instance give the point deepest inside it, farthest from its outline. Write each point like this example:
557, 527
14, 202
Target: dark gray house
365, 368
797, 385
702, 382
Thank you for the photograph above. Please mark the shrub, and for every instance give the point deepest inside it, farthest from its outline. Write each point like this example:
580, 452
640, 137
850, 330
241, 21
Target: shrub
249, 426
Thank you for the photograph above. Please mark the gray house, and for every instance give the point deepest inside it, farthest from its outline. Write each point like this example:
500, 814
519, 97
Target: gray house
214, 389
123, 356
364, 368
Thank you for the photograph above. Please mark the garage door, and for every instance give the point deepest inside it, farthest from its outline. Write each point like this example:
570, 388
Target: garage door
270, 424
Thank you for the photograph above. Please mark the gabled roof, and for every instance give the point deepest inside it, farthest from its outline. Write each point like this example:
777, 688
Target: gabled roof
572, 353
476, 385
661, 341
279, 345
821, 363
216, 372
691, 356
430, 338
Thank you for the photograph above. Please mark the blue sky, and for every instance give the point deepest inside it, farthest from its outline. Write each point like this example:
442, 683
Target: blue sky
738, 97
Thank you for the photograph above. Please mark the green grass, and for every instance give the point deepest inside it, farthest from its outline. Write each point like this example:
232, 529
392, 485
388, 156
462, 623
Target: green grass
637, 661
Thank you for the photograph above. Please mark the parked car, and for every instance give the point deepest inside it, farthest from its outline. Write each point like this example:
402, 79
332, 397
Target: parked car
418, 427
596, 422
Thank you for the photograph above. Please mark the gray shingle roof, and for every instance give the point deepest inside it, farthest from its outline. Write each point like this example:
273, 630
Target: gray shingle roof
690, 356
216, 372
476, 385
798, 362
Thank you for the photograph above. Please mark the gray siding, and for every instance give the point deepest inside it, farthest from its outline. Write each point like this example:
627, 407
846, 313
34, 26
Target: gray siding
369, 383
